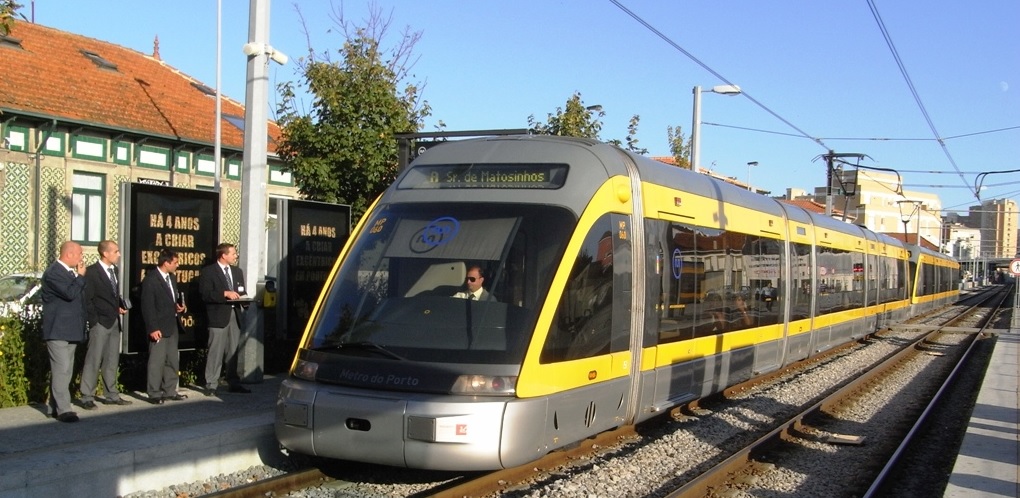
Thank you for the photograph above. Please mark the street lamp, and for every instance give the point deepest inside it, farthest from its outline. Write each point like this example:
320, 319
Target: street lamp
749, 164
907, 209
696, 125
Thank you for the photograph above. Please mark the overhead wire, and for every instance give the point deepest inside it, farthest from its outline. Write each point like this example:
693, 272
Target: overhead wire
913, 91
876, 139
713, 72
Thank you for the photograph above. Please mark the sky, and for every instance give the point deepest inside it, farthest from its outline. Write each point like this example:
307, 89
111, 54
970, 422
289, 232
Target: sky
816, 76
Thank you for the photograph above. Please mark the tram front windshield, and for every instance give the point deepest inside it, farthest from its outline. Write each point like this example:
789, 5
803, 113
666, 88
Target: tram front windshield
403, 291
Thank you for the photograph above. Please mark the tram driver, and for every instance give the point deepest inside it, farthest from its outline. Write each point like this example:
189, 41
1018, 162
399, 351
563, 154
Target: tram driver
473, 285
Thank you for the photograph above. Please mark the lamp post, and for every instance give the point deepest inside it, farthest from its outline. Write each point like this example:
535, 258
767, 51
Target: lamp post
696, 125
907, 209
749, 164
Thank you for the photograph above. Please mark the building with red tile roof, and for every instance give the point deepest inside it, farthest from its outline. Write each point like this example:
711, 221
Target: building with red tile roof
79, 117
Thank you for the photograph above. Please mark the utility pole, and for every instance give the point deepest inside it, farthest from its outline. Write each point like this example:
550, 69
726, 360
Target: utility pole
253, 185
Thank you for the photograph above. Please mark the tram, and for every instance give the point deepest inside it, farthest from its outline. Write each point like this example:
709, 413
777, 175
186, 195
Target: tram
615, 287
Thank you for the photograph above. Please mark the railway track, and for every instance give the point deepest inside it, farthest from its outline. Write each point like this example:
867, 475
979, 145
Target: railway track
743, 468
502, 482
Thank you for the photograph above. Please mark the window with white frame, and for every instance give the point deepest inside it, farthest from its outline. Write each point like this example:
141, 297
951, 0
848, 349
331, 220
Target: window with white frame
87, 207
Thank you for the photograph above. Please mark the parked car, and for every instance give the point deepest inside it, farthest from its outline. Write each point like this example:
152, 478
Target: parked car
19, 291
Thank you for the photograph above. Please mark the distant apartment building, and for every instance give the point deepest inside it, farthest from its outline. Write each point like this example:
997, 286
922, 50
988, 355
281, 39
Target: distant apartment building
872, 199
962, 242
997, 220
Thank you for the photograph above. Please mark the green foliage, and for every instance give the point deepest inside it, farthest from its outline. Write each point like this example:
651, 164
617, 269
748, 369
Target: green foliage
7, 10
13, 382
679, 147
24, 361
578, 120
343, 149
574, 121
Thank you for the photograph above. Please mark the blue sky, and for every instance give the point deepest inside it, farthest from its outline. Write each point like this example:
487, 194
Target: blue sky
822, 66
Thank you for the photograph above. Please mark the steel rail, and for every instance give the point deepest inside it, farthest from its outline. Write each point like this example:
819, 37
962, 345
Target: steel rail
719, 474
937, 399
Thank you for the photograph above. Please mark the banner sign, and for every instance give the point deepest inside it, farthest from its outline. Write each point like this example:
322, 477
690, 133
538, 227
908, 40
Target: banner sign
315, 235
183, 220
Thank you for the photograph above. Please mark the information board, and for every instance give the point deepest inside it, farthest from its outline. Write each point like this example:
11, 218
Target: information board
315, 235
184, 220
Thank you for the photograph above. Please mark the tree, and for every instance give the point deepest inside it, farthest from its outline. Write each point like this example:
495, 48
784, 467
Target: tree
679, 147
576, 121
7, 10
343, 149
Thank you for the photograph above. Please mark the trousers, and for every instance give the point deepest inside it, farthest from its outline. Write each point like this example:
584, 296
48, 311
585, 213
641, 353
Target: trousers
103, 355
164, 361
223, 354
61, 368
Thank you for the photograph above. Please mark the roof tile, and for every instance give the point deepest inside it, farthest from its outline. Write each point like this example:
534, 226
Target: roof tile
50, 76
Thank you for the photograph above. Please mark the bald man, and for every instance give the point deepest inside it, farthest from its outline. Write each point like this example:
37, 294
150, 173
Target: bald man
63, 297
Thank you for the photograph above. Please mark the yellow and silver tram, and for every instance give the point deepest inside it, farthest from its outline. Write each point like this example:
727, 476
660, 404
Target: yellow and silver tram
589, 321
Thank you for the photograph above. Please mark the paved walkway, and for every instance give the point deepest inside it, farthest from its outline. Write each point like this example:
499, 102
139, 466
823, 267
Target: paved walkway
116, 450
990, 454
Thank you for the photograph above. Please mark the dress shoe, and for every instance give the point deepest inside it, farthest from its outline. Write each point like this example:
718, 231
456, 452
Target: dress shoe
155, 401
208, 391
177, 397
118, 401
89, 405
239, 389
68, 417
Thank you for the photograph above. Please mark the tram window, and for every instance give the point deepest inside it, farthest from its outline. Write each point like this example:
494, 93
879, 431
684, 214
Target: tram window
395, 287
840, 287
678, 282
802, 288
582, 326
762, 261
892, 283
872, 276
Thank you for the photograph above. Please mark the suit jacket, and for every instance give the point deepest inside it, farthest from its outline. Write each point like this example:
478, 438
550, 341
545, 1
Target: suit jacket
63, 297
482, 296
211, 286
102, 302
159, 308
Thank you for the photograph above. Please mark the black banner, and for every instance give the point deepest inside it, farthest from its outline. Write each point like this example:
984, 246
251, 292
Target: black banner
316, 233
183, 220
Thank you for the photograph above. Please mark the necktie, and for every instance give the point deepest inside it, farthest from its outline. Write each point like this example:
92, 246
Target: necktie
230, 280
113, 280
473, 297
173, 295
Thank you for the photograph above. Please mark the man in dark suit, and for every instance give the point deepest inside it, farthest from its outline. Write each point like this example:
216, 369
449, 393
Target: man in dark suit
221, 285
161, 317
103, 307
63, 297
473, 282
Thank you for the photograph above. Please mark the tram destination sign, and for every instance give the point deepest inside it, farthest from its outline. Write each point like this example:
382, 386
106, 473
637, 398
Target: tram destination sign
485, 176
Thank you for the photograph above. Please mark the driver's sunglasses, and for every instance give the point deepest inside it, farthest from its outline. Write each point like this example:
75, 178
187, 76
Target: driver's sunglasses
470, 279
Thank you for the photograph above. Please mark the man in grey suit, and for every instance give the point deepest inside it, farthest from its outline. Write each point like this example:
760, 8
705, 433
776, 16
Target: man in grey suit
103, 306
221, 285
161, 317
63, 297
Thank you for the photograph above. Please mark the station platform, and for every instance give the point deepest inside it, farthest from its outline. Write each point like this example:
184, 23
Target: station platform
987, 465
116, 450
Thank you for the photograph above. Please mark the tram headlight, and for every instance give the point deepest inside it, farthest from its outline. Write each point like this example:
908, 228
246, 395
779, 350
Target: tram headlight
485, 385
306, 369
